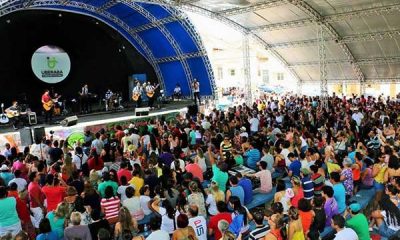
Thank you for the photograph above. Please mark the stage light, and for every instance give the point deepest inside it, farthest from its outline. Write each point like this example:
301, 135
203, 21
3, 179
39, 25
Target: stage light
59, 15
97, 23
8, 21
123, 47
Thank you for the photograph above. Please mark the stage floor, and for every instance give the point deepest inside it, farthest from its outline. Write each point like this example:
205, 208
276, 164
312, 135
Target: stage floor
107, 117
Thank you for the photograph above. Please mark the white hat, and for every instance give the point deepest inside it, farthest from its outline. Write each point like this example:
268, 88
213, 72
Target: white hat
105, 169
131, 125
126, 131
243, 129
289, 193
4, 168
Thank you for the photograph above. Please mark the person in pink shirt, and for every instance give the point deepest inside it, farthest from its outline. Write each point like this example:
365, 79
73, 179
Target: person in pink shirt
124, 171
265, 178
196, 170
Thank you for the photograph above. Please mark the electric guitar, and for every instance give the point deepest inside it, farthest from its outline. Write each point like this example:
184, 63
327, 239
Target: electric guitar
48, 105
151, 93
3, 117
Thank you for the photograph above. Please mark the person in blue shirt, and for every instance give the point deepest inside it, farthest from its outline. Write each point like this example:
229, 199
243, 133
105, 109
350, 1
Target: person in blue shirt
45, 231
295, 165
352, 153
339, 192
235, 190
247, 186
5, 174
253, 156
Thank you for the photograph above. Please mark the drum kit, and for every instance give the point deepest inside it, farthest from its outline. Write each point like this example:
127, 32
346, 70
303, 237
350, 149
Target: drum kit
114, 102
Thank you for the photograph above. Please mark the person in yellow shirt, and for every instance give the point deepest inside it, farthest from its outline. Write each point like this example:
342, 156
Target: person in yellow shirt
137, 182
378, 172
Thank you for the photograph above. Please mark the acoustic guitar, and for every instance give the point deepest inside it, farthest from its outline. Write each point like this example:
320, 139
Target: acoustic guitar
48, 105
136, 96
3, 117
151, 93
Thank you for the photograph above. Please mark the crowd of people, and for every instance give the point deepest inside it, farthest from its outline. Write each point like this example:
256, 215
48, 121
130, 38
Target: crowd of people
312, 157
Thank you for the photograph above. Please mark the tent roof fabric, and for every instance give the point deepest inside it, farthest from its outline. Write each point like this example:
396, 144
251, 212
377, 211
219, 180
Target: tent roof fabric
361, 36
161, 33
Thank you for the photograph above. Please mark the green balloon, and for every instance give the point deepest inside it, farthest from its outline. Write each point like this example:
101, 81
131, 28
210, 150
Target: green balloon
75, 137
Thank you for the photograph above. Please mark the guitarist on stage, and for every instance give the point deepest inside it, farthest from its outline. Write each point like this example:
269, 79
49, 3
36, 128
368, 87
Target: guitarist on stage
13, 113
150, 92
48, 105
137, 94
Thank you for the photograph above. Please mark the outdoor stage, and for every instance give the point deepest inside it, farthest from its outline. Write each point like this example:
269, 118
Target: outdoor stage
96, 121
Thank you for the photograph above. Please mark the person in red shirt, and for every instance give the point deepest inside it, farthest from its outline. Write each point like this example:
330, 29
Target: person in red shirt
46, 98
54, 192
195, 169
119, 134
36, 197
223, 214
123, 171
95, 161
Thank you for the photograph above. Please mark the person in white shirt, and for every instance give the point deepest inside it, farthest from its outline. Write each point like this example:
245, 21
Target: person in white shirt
79, 158
156, 233
21, 183
198, 223
357, 116
342, 233
254, 124
145, 199
98, 144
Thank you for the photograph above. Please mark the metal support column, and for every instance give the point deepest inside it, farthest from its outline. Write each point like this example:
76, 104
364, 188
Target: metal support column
246, 70
322, 66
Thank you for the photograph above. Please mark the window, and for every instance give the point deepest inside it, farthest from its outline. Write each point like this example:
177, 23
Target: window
280, 77
265, 76
220, 73
232, 72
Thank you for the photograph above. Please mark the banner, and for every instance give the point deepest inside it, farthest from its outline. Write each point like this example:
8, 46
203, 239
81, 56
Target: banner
51, 64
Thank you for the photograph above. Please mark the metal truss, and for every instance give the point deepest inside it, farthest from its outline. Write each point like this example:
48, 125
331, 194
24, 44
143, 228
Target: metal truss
194, 34
329, 18
322, 67
246, 69
328, 29
148, 54
240, 28
252, 8
374, 36
155, 24
108, 5
332, 81
179, 58
168, 36
361, 62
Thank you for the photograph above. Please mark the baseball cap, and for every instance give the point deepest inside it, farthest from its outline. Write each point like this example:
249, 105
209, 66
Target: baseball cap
355, 207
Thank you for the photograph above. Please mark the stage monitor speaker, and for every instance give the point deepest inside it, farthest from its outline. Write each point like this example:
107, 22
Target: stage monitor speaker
193, 109
144, 111
38, 134
69, 121
26, 136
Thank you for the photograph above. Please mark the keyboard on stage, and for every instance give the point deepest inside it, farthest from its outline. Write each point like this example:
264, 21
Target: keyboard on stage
245, 170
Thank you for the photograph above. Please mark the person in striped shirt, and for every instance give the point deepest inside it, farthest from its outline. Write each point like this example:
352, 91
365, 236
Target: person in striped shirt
110, 205
307, 183
261, 229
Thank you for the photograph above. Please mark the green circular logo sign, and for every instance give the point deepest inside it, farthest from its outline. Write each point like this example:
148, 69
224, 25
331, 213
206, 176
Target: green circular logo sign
51, 64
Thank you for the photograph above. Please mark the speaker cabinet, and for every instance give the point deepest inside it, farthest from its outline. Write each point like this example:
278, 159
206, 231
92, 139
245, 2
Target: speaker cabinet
69, 121
38, 134
144, 111
26, 136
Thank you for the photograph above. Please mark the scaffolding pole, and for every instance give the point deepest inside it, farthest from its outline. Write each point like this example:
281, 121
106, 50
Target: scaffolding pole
246, 69
322, 66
